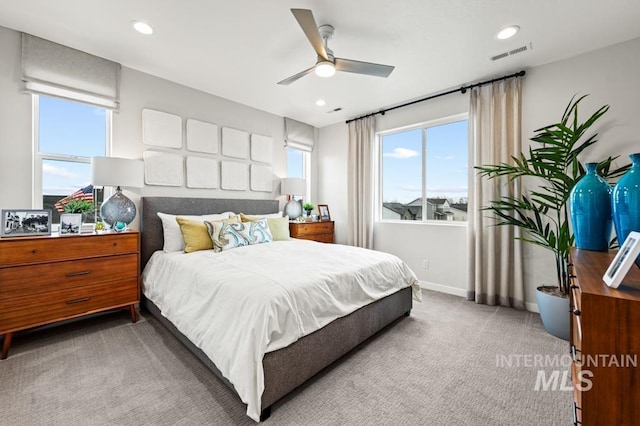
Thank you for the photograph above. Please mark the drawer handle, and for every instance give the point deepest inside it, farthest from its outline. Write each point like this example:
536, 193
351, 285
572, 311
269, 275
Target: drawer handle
573, 286
576, 312
34, 251
574, 354
575, 414
75, 274
115, 244
74, 301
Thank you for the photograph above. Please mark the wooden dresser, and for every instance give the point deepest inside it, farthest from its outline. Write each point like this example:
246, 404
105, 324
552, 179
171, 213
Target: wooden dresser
54, 278
605, 343
316, 231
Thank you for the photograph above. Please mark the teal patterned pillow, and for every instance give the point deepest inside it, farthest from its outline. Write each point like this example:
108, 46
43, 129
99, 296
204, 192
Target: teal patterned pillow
225, 235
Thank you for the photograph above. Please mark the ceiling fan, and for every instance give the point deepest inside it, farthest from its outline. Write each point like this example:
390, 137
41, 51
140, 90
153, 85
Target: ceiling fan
327, 64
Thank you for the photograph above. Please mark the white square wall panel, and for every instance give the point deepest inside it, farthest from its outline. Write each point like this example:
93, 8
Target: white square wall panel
261, 148
202, 172
261, 178
161, 129
202, 137
235, 143
161, 168
234, 175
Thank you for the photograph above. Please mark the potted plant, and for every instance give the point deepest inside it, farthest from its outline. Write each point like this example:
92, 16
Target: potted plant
308, 207
73, 216
553, 164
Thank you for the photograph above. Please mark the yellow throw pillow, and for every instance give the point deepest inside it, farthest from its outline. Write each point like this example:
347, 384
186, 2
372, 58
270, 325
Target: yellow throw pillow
279, 228
195, 234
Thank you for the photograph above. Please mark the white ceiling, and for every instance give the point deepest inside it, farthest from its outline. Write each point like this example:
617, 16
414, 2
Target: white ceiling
240, 49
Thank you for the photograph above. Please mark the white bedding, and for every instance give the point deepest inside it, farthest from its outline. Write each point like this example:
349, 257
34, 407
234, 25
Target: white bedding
237, 305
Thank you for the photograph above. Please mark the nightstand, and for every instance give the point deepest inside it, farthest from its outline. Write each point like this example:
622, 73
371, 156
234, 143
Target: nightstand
316, 231
53, 278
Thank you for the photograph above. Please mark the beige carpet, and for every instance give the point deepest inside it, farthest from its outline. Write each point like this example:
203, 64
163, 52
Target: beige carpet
437, 367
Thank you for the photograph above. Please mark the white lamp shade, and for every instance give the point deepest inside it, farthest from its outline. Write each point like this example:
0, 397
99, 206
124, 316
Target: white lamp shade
112, 171
293, 186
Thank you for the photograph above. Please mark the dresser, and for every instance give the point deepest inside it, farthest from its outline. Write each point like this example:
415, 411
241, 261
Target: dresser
605, 343
47, 279
316, 231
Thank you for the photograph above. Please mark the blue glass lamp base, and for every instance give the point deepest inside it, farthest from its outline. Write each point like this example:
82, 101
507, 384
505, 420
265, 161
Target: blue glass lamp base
118, 210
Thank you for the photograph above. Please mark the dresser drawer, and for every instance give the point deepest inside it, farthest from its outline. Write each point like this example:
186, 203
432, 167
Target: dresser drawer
22, 312
16, 251
42, 278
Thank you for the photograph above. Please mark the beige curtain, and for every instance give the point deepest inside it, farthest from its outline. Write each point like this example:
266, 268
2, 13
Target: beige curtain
360, 182
495, 256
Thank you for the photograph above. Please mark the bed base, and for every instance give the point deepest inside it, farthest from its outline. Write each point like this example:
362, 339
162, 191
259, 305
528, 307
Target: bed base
288, 368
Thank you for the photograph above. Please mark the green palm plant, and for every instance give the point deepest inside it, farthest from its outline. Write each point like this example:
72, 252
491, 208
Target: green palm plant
553, 164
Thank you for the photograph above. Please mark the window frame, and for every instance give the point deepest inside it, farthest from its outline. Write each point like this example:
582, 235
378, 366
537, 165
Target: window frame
39, 157
306, 169
378, 178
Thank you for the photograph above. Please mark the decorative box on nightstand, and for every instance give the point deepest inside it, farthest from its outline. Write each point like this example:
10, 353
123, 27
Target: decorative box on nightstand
53, 278
316, 231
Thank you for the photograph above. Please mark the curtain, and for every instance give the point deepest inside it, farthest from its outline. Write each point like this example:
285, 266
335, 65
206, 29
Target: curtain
360, 182
53, 69
495, 256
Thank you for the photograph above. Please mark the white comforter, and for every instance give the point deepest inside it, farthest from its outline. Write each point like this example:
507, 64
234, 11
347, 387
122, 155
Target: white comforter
239, 304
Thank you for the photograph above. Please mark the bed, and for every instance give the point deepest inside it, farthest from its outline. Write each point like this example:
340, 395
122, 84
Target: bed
282, 369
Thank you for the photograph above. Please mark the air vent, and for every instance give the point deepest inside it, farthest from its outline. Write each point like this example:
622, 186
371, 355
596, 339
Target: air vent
512, 52
334, 110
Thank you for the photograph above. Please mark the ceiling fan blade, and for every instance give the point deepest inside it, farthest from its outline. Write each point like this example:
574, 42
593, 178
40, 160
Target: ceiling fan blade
359, 67
308, 25
295, 77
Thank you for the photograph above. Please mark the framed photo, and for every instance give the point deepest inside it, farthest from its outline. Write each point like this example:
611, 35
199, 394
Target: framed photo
323, 212
624, 259
24, 223
70, 223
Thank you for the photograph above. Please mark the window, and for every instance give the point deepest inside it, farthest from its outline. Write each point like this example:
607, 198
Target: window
298, 166
66, 135
423, 172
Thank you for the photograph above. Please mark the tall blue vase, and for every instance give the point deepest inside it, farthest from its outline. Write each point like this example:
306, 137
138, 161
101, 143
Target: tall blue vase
626, 201
590, 206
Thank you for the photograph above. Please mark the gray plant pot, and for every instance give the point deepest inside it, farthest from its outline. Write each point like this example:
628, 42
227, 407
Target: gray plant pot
554, 312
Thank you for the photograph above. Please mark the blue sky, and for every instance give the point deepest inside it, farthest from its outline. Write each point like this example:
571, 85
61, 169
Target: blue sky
72, 128
446, 167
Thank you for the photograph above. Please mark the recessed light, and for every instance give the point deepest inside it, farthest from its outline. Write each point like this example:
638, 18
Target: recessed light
507, 32
321, 102
142, 27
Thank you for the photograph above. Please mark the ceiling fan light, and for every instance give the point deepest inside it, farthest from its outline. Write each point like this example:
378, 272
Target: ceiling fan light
325, 69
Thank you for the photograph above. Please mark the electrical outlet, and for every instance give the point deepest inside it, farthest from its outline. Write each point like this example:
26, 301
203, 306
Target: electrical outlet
425, 264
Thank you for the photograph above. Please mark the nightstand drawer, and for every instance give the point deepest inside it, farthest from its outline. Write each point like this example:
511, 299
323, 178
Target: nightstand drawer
312, 229
23, 312
43, 278
15, 251
321, 238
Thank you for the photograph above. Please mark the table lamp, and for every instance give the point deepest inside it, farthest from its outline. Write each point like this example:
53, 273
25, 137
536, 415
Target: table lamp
118, 211
292, 187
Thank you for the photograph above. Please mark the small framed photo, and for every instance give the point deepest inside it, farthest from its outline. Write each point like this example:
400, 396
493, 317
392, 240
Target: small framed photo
323, 212
70, 223
624, 259
24, 223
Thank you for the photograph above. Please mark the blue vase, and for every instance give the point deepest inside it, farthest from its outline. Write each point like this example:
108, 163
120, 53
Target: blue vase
626, 201
590, 205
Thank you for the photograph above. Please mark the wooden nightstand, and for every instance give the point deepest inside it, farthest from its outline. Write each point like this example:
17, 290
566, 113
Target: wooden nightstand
316, 231
54, 278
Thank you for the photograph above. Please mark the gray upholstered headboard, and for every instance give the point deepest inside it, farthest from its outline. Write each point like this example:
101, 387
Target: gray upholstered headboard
151, 225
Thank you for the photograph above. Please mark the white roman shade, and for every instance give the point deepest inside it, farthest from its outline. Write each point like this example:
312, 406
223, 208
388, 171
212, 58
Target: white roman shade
50, 68
298, 135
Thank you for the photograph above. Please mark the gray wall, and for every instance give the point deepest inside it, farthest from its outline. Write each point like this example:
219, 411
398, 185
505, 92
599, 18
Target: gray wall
610, 76
138, 91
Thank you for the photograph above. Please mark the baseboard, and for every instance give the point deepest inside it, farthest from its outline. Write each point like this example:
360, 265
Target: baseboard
531, 307
443, 288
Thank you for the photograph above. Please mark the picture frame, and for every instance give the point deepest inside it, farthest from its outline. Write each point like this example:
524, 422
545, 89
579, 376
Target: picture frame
25, 222
623, 260
323, 213
70, 223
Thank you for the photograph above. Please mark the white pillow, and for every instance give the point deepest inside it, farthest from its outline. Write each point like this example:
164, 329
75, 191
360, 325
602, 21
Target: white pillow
173, 240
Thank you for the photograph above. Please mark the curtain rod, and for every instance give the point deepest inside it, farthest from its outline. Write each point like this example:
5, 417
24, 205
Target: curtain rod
463, 89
